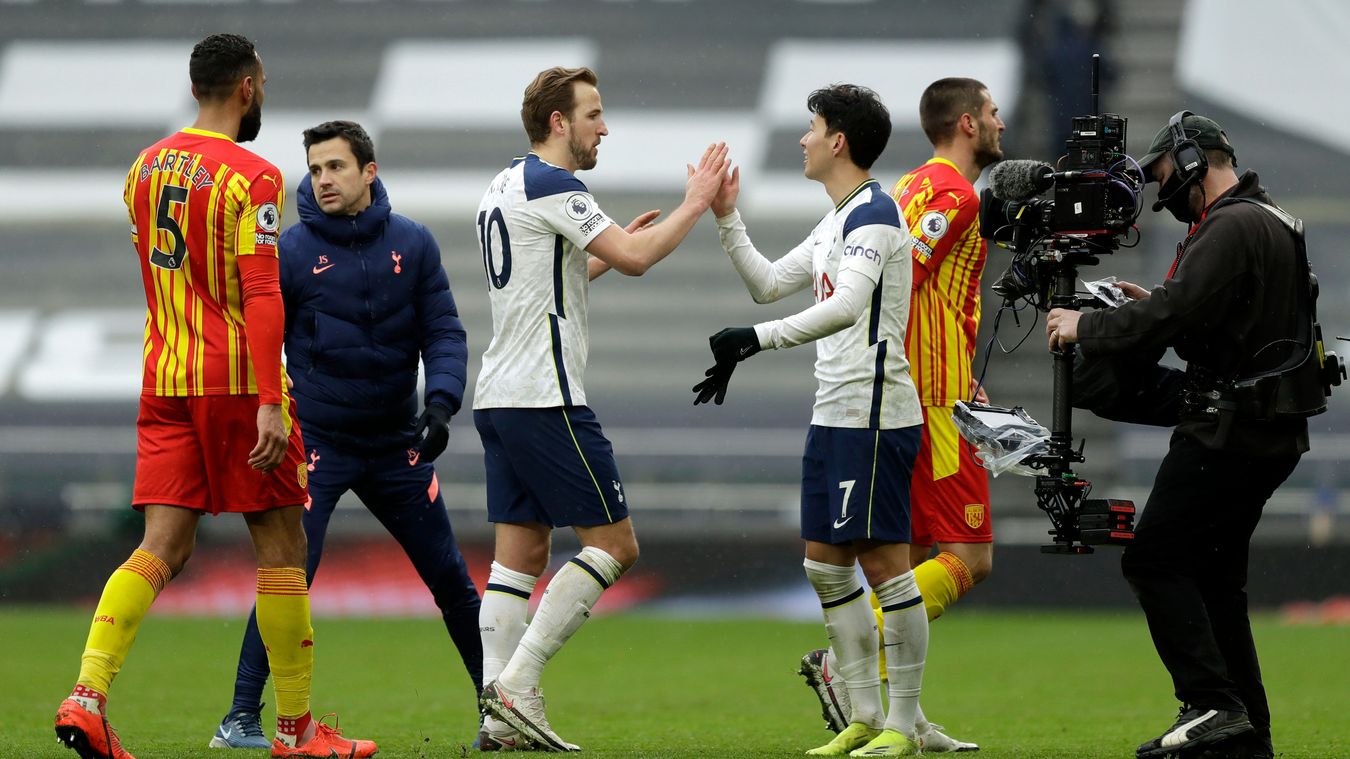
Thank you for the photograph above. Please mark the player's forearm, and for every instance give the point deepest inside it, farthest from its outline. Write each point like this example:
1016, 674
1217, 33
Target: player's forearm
653, 243
838, 312
264, 323
760, 276
595, 267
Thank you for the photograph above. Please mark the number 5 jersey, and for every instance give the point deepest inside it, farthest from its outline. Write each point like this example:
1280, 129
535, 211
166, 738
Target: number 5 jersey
197, 202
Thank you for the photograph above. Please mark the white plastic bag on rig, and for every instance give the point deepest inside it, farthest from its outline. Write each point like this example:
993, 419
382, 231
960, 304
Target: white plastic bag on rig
1107, 290
1003, 437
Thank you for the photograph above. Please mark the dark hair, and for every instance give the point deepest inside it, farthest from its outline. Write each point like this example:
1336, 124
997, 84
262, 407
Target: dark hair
859, 114
362, 146
218, 63
551, 91
943, 103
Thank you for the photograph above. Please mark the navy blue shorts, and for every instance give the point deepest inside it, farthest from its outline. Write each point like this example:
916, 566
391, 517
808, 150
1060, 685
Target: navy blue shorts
549, 465
855, 484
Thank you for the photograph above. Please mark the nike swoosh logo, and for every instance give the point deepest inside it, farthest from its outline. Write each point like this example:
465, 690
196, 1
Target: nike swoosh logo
322, 269
745, 350
839, 523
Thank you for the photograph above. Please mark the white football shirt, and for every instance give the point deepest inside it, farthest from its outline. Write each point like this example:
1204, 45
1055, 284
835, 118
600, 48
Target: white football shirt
857, 262
534, 224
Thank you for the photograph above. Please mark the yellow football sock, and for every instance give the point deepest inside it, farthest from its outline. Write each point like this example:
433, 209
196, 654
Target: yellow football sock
881, 625
942, 579
125, 600
283, 621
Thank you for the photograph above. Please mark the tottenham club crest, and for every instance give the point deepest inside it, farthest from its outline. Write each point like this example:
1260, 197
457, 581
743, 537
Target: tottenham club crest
934, 225
578, 207
269, 218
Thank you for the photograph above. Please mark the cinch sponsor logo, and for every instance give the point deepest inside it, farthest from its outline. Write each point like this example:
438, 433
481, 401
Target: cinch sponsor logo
871, 254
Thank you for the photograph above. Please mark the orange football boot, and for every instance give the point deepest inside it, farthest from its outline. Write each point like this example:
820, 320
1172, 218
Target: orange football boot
88, 734
326, 744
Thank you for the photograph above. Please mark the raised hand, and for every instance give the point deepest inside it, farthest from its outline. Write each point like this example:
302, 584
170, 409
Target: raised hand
725, 200
642, 221
705, 179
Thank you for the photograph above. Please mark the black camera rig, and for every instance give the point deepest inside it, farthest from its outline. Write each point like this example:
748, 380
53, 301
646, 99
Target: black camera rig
1097, 198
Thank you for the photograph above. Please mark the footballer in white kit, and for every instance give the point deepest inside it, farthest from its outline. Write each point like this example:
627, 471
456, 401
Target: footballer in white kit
534, 224
547, 459
857, 262
866, 423
543, 237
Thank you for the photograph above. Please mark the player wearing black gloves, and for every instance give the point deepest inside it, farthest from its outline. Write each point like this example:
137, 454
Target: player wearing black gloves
866, 423
730, 346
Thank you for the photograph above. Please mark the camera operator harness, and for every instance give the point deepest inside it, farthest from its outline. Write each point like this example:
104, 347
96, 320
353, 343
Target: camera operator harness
1300, 385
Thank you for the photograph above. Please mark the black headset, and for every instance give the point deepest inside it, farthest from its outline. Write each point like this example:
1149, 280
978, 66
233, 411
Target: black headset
1188, 159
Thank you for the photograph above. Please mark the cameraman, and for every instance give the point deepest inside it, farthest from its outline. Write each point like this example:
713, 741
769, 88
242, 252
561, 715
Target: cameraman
1229, 307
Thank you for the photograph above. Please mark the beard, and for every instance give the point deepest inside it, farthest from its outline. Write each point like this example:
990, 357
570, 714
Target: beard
581, 155
250, 124
987, 151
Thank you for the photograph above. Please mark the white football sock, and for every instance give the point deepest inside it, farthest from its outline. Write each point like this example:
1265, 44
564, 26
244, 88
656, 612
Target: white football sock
852, 629
566, 605
905, 634
501, 619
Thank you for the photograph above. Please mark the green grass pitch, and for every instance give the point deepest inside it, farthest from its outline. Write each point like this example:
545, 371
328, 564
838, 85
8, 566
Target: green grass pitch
1022, 684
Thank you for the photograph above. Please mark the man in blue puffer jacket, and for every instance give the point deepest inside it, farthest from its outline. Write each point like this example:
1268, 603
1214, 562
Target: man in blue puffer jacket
365, 297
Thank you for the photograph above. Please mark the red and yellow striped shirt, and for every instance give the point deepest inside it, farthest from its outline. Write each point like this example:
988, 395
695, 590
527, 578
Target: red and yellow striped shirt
943, 214
197, 201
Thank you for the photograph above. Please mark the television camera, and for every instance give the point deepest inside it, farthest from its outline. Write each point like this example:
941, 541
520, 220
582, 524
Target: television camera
1097, 196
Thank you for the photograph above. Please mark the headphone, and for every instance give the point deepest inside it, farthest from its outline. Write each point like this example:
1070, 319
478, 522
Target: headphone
1188, 159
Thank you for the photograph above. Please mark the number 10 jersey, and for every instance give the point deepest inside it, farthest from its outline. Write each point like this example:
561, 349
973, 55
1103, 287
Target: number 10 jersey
533, 226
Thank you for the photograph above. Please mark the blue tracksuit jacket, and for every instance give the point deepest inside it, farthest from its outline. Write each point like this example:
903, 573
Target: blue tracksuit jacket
365, 297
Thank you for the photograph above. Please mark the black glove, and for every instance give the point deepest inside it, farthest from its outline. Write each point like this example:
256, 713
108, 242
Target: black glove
433, 430
734, 344
714, 388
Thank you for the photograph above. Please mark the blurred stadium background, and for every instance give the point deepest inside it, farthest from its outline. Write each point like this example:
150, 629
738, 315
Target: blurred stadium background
84, 84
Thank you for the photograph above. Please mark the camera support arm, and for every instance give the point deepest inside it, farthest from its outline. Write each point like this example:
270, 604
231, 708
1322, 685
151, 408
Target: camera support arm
1075, 522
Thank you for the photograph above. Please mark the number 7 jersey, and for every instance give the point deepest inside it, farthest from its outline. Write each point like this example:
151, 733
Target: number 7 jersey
533, 226
197, 201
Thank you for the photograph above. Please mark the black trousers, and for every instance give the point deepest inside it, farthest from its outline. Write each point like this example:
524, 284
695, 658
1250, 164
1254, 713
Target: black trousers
1188, 568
